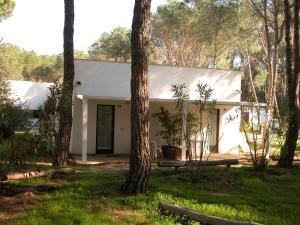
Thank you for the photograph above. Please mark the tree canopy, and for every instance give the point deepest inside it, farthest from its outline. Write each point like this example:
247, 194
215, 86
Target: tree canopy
6, 9
112, 46
18, 64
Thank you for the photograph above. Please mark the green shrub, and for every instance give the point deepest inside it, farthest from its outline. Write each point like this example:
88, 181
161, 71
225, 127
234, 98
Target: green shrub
20, 151
4, 167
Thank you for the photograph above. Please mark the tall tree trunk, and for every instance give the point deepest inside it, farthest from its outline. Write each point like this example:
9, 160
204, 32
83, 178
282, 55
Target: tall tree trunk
65, 102
250, 75
289, 147
271, 51
298, 93
140, 159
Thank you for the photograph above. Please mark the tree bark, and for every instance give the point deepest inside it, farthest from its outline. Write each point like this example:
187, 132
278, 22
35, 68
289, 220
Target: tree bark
140, 158
292, 71
250, 76
65, 102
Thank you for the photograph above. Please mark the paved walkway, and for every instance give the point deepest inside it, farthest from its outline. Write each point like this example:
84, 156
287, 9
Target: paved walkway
115, 159
102, 159
122, 161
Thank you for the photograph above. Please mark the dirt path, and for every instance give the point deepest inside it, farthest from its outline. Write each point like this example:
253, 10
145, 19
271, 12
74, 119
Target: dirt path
15, 198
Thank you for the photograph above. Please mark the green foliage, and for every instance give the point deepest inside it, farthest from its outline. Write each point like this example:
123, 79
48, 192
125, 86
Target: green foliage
252, 131
42, 72
93, 197
112, 46
205, 107
10, 62
216, 22
15, 148
30, 61
4, 158
6, 9
180, 94
188, 120
171, 124
195, 33
18, 64
48, 121
20, 150
12, 114
205, 103
42, 68
50, 116
173, 35
80, 54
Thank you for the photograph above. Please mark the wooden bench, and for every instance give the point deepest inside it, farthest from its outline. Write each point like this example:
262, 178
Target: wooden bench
178, 164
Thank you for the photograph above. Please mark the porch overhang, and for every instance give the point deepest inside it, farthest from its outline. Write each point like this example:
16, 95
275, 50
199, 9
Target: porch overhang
229, 103
85, 99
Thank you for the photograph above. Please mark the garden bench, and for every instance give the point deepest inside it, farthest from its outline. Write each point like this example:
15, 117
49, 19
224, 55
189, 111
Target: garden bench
178, 164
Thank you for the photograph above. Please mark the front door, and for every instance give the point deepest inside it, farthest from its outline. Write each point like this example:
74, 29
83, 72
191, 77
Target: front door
214, 134
105, 129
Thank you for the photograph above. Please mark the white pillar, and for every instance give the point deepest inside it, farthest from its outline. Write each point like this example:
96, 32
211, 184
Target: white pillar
84, 129
183, 133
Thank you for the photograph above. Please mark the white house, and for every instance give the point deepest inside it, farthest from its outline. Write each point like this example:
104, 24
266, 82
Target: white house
31, 95
101, 104
250, 115
101, 109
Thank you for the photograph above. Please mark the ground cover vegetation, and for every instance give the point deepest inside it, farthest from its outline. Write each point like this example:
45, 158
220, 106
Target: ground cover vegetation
93, 196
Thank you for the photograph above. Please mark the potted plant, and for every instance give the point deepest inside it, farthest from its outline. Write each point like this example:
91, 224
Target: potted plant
170, 132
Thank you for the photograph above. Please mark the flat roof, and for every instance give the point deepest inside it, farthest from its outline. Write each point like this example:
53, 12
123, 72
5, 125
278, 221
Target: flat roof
112, 79
230, 103
157, 64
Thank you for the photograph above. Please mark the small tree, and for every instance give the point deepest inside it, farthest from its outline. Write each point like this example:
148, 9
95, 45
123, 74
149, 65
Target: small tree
205, 105
251, 130
188, 121
171, 127
49, 117
192, 125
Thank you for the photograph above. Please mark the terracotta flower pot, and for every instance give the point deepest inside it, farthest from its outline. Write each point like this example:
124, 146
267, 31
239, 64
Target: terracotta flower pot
171, 152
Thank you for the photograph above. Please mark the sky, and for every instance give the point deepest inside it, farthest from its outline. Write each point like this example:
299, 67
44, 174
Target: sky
38, 24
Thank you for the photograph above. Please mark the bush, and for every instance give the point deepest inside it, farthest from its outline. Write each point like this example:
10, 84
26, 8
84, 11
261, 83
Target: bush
13, 115
20, 151
171, 124
4, 165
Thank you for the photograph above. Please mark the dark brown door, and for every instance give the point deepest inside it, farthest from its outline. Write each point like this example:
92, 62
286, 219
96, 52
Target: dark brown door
214, 139
105, 129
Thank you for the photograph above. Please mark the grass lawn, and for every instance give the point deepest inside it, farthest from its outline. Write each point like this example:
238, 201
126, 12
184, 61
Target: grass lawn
91, 196
298, 147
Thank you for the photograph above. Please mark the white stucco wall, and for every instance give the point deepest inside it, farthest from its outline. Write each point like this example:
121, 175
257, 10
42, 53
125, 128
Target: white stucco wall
230, 137
229, 130
121, 126
112, 80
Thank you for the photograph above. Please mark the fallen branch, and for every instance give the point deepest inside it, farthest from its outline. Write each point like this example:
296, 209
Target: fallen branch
193, 215
56, 173
18, 176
